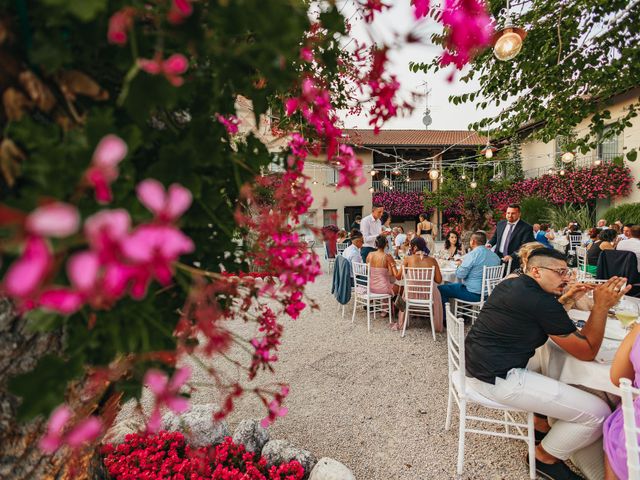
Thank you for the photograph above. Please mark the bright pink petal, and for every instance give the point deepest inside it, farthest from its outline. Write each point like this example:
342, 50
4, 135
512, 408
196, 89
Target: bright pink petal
141, 244
156, 381
82, 270
61, 300
50, 443
155, 421
140, 281
180, 377
112, 225
152, 67
101, 184
110, 151
183, 6
420, 8
175, 80
58, 419
115, 279
54, 220
162, 272
25, 274
152, 195
86, 431
179, 200
177, 404
173, 243
176, 64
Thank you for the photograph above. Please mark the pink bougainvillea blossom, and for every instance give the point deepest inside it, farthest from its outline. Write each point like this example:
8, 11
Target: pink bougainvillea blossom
104, 166
172, 68
120, 24
230, 123
56, 220
370, 7
105, 230
180, 10
275, 407
398, 203
59, 434
27, 273
306, 54
420, 8
350, 168
167, 394
469, 30
166, 206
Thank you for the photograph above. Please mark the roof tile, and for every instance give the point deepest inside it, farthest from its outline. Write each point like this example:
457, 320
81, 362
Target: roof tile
414, 137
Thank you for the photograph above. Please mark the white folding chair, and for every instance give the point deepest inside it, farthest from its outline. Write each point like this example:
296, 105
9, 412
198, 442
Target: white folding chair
575, 240
330, 260
491, 276
418, 295
581, 256
463, 394
341, 247
631, 428
373, 302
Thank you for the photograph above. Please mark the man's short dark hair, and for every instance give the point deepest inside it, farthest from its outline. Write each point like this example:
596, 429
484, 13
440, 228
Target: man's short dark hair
479, 236
547, 253
376, 205
608, 235
355, 234
514, 205
358, 217
628, 225
635, 231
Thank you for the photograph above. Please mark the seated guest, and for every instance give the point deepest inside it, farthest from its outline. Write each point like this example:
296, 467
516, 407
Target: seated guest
626, 232
632, 244
606, 239
518, 317
352, 252
342, 235
602, 224
452, 246
470, 270
544, 235
626, 364
523, 254
399, 240
593, 236
382, 269
420, 258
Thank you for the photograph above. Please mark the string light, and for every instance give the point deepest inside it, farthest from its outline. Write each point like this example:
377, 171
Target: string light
568, 157
473, 184
434, 174
598, 162
508, 41
562, 172
373, 173
551, 171
408, 179
371, 189
385, 182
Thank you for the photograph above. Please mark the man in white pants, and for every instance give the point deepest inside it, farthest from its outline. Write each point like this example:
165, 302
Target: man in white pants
520, 315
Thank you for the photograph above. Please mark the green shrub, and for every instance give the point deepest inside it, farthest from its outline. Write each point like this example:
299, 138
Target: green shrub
534, 209
560, 216
627, 213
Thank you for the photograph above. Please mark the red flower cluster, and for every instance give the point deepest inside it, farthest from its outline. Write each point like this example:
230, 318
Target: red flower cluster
405, 204
167, 455
579, 186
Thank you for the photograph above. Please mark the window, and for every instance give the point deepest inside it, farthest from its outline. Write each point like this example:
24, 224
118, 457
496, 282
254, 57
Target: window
608, 147
329, 217
331, 176
561, 147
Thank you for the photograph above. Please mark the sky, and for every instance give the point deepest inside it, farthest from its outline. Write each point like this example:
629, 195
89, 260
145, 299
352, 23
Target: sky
446, 116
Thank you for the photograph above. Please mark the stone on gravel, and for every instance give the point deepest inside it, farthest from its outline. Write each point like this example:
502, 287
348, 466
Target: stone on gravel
251, 434
281, 451
330, 469
197, 425
120, 430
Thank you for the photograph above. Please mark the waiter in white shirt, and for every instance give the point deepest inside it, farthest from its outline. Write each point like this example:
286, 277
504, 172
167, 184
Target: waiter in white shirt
371, 227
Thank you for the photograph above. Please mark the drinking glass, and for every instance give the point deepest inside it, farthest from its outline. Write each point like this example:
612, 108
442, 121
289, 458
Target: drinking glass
627, 312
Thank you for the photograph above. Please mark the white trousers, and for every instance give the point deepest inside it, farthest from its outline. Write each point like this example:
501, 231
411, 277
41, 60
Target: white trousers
579, 414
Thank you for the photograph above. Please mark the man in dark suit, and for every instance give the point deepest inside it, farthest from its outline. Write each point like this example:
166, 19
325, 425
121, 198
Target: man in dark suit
510, 234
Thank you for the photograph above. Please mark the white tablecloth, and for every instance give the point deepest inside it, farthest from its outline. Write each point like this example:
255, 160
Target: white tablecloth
449, 275
560, 243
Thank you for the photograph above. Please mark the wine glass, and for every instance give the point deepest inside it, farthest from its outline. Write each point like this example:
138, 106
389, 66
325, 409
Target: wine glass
627, 312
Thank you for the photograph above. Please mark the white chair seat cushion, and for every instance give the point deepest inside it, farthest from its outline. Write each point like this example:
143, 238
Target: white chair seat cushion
415, 301
375, 296
476, 397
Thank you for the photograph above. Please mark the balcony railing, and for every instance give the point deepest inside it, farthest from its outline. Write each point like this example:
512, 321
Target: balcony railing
403, 186
580, 162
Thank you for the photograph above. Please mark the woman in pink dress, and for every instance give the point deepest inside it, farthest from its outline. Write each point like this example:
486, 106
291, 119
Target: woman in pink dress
382, 269
626, 364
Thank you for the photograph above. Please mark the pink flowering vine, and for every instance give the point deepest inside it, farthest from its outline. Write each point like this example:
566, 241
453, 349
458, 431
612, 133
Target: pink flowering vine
166, 394
172, 68
230, 123
420, 8
275, 407
103, 170
469, 30
180, 11
120, 24
59, 433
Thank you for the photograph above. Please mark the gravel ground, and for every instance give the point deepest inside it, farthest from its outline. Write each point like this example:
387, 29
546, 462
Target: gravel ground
373, 401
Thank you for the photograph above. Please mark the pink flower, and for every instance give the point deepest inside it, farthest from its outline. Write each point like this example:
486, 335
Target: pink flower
180, 10
105, 230
166, 206
85, 431
104, 166
275, 407
469, 28
306, 54
119, 25
166, 393
27, 273
420, 8
56, 220
171, 68
230, 123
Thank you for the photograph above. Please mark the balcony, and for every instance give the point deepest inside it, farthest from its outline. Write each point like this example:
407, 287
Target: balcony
418, 186
578, 163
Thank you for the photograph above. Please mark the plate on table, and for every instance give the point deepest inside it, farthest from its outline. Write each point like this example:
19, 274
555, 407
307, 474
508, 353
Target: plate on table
612, 331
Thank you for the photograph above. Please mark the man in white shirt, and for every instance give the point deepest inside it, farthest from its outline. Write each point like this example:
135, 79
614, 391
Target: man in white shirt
631, 244
626, 232
536, 229
371, 227
352, 252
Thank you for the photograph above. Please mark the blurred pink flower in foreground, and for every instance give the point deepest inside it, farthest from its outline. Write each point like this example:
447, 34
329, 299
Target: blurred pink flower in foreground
171, 68
166, 394
420, 8
469, 28
180, 10
56, 220
86, 430
119, 25
167, 206
27, 273
104, 166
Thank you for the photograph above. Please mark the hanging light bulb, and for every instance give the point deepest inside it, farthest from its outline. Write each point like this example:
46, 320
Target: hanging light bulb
434, 174
567, 157
441, 180
390, 187
507, 42
315, 182
396, 172
385, 182
473, 184
408, 179
562, 172
598, 162
551, 171
373, 173
463, 176
371, 189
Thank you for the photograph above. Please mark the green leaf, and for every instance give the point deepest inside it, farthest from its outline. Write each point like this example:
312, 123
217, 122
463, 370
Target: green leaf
43, 320
632, 155
84, 10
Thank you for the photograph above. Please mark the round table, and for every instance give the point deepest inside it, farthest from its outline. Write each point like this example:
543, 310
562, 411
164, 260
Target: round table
560, 243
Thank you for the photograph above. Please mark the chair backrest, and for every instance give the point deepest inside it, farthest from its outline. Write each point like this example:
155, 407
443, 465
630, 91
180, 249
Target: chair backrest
455, 347
574, 240
631, 429
581, 255
328, 254
341, 247
418, 283
360, 277
620, 263
491, 276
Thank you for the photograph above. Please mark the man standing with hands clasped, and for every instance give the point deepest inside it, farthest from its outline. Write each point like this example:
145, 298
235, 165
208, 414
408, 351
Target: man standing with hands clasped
510, 234
519, 316
371, 227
